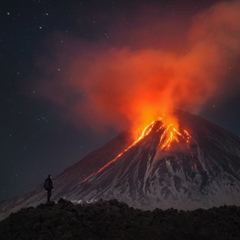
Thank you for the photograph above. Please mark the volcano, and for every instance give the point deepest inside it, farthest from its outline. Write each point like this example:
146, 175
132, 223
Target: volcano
194, 166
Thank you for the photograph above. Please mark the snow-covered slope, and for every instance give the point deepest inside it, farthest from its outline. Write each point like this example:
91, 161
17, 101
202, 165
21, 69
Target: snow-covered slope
200, 170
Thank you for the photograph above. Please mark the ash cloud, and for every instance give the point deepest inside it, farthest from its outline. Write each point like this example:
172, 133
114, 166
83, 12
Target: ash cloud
146, 65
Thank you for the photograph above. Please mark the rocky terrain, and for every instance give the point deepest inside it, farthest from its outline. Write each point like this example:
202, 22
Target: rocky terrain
116, 220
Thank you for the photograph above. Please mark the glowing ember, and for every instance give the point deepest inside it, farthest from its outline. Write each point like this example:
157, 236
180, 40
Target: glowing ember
169, 135
195, 166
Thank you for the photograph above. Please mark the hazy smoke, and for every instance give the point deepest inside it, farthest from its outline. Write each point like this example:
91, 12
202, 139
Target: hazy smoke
161, 59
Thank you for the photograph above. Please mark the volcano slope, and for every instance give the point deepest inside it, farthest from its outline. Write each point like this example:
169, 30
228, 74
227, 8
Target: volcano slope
196, 166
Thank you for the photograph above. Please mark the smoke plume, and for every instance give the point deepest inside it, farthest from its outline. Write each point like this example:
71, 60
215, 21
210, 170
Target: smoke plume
146, 66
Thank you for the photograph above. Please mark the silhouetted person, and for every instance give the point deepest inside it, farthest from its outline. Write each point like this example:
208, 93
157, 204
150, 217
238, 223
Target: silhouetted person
48, 185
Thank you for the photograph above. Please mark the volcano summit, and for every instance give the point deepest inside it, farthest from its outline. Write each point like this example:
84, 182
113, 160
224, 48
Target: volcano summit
194, 166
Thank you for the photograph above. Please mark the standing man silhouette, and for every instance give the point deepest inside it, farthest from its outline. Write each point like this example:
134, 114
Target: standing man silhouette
48, 185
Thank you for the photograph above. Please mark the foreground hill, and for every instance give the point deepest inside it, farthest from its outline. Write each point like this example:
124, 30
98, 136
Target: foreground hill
115, 220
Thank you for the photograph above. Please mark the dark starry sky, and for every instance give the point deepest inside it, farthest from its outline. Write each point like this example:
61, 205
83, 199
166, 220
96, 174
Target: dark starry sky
35, 139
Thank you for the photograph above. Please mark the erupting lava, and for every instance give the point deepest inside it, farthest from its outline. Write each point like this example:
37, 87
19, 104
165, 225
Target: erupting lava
168, 136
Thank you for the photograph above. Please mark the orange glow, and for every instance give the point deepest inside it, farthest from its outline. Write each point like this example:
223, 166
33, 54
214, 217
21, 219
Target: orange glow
177, 132
169, 135
145, 71
145, 132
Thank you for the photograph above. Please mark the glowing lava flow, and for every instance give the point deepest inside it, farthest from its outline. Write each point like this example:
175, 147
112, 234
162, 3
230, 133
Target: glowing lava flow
169, 135
145, 132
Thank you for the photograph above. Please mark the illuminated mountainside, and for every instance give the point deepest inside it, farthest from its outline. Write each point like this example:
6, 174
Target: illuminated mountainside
195, 166
199, 169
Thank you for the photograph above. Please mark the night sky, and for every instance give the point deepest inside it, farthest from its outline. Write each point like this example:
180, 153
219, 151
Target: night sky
47, 124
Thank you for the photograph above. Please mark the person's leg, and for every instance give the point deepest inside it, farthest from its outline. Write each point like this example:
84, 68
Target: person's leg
49, 195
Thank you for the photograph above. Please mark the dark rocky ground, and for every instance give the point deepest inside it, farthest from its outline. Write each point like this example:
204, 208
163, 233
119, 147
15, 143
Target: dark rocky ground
115, 220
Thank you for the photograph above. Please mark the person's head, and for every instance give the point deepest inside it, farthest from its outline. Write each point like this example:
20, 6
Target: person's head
49, 176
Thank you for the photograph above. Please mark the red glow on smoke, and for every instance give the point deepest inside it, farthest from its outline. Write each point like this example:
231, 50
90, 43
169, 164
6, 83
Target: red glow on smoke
147, 71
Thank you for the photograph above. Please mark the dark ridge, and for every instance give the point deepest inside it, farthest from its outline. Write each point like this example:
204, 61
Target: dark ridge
115, 220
